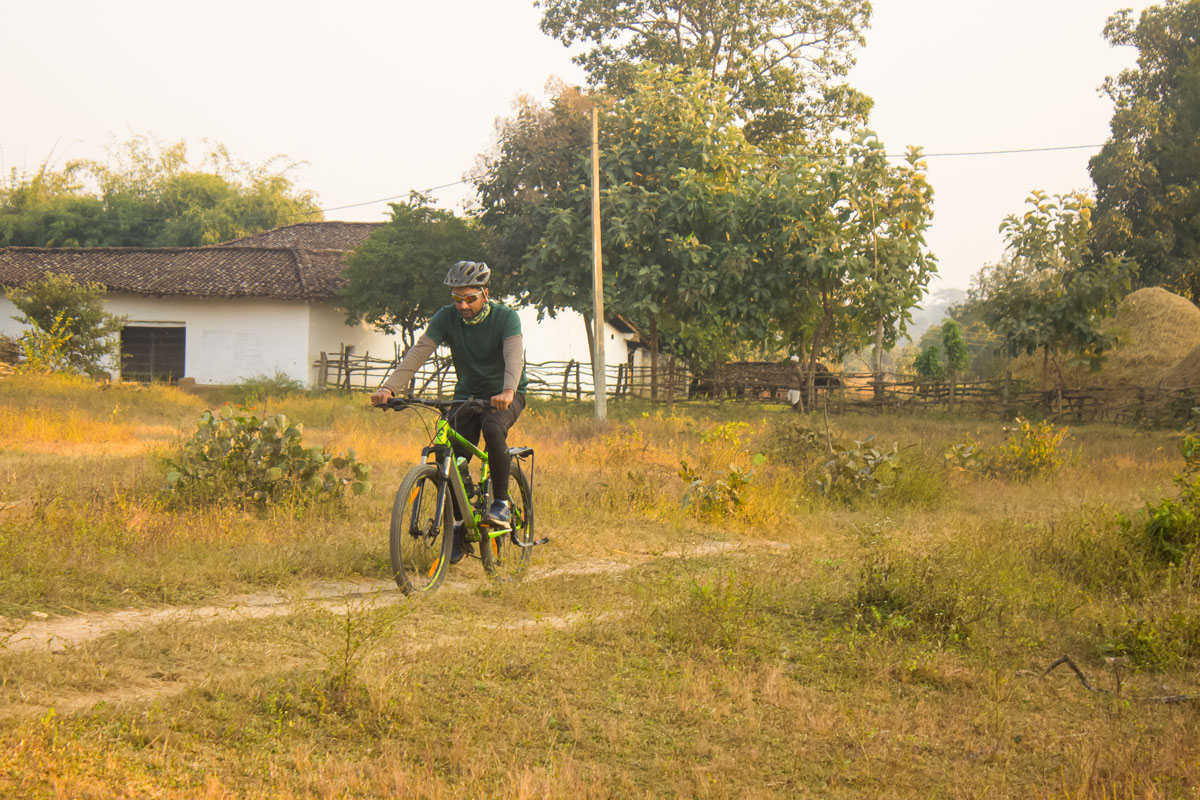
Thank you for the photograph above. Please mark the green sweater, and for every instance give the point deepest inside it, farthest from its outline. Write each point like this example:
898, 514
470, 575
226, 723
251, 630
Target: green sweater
477, 350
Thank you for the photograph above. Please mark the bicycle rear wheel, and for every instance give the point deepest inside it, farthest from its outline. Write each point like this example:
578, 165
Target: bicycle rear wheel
502, 558
420, 552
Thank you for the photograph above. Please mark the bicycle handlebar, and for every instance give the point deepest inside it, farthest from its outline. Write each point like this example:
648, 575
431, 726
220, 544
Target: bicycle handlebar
401, 403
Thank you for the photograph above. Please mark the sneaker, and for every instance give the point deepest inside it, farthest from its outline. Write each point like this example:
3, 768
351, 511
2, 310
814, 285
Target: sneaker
498, 515
461, 546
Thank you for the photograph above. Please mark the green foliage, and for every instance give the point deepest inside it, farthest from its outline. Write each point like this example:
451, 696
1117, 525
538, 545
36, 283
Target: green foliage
1170, 529
957, 356
929, 364
672, 159
1052, 290
259, 388
46, 350
1032, 449
1164, 638
394, 278
780, 62
714, 498
835, 249
69, 329
235, 457
899, 596
1147, 175
148, 194
864, 470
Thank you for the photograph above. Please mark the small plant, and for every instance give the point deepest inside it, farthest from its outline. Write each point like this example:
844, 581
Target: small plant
258, 388
46, 349
722, 496
727, 432
1033, 449
863, 470
1170, 531
69, 328
900, 596
235, 456
1159, 641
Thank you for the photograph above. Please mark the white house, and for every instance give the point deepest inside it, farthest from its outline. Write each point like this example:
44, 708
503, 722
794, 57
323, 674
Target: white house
260, 305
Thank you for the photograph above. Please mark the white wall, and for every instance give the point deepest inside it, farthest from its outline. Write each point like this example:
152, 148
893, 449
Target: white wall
328, 331
231, 339
564, 338
228, 339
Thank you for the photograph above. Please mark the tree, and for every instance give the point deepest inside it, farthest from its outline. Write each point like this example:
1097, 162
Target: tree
69, 328
837, 250
149, 196
671, 159
1052, 289
957, 356
1147, 175
394, 278
929, 365
779, 59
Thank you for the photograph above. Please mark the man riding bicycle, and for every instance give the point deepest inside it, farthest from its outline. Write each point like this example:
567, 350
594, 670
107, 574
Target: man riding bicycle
487, 349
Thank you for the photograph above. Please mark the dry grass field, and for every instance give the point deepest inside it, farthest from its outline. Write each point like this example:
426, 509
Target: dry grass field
749, 636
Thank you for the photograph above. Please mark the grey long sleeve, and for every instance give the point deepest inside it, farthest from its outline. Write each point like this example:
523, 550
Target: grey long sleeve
413, 358
514, 361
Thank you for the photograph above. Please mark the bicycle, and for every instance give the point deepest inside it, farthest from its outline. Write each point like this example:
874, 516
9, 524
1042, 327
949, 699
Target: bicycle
422, 524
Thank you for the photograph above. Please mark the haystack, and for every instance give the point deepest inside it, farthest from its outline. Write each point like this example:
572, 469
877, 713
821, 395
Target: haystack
1156, 332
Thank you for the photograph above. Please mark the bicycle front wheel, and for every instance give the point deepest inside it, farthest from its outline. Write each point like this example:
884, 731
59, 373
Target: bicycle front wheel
420, 548
501, 557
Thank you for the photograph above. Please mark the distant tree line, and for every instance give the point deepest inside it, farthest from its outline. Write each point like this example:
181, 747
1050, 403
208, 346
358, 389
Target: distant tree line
149, 194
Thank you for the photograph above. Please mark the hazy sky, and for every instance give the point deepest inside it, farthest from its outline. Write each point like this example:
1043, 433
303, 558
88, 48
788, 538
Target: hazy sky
378, 98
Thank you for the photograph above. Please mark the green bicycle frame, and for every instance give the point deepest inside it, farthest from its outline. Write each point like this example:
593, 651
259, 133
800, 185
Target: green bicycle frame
442, 448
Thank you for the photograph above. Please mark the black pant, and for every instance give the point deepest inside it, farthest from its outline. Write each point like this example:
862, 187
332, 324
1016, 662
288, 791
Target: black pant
494, 426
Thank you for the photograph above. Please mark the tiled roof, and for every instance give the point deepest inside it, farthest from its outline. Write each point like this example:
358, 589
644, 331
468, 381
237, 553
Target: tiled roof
218, 271
310, 236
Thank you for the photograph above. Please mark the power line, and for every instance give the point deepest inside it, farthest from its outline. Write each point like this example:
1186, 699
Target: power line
371, 202
1003, 152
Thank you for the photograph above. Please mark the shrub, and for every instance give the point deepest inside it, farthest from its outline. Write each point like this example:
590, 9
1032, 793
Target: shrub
70, 330
1032, 449
900, 596
1170, 530
258, 388
716, 497
1159, 640
858, 471
235, 456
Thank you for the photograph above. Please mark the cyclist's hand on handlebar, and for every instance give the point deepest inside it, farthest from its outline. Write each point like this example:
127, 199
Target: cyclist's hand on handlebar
503, 400
381, 396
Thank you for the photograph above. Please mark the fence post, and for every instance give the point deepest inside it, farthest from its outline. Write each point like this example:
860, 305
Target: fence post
322, 370
567, 379
578, 394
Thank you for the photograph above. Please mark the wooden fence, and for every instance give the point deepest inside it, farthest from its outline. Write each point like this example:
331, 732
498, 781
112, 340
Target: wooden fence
565, 380
572, 381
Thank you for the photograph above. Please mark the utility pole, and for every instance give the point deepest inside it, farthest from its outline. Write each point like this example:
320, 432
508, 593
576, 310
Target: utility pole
598, 367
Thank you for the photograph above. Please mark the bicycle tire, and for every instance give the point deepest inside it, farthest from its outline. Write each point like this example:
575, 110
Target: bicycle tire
501, 558
420, 555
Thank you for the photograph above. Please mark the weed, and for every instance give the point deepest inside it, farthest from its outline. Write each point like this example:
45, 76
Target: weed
716, 497
1033, 449
235, 456
860, 471
1170, 530
1165, 637
897, 595
259, 388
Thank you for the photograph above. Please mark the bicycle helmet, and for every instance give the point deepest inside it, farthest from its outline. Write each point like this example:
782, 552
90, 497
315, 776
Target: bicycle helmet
468, 273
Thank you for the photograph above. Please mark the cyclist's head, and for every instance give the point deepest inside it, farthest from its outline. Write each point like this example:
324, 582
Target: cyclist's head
468, 275
468, 288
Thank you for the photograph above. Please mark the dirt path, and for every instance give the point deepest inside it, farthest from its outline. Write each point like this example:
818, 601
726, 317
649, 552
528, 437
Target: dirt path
58, 635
